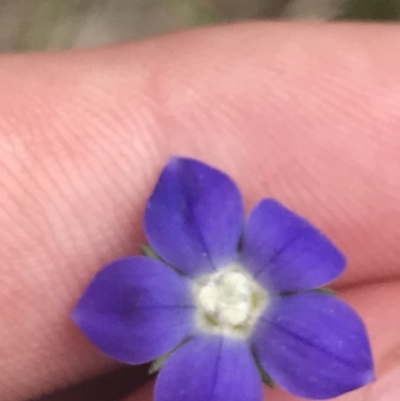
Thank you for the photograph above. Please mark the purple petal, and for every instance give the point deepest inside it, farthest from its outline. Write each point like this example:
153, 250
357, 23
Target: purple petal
285, 252
314, 346
136, 309
194, 217
210, 369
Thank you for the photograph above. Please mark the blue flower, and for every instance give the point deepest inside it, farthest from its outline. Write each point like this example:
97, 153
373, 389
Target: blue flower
227, 300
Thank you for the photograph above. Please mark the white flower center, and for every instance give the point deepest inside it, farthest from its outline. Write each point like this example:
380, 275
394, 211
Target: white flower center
226, 297
229, 302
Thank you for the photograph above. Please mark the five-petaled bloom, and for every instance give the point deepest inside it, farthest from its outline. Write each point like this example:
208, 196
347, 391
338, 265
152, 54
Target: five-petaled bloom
227, 299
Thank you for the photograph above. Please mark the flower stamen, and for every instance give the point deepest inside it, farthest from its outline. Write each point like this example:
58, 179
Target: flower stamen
229, 302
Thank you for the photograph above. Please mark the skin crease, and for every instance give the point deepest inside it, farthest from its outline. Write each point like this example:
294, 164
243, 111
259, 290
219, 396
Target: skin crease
305, 113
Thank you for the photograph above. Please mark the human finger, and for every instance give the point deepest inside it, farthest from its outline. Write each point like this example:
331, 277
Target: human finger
84, 135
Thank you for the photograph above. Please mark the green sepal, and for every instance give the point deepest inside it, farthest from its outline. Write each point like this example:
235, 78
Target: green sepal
265, 377
149, 252
158, 363
327, 291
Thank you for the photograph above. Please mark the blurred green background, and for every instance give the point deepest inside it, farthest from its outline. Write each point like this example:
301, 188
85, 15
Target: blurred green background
58, 24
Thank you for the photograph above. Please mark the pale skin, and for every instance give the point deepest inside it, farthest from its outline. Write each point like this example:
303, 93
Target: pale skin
308, 114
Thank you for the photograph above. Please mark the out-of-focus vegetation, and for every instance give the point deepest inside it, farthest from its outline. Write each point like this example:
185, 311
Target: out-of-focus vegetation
367, 10
56, 24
